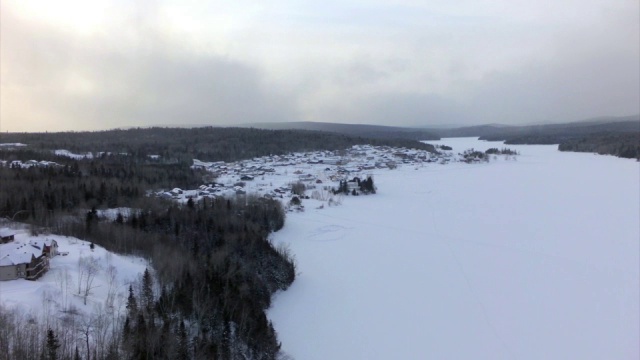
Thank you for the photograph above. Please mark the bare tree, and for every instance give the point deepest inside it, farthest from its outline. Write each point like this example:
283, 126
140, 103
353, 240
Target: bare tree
89, 268
63, 279
112, 277
85, 329
101, 326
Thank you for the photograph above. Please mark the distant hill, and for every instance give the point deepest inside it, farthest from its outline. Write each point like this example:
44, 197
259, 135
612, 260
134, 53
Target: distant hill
203, 143
369, 131
552, 132
618, 136
605, 135
556, 133
472, 131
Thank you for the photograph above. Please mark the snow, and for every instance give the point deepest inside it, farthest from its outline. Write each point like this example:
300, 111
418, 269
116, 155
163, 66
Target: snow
530, 259
69, 154
58, 287
112, 213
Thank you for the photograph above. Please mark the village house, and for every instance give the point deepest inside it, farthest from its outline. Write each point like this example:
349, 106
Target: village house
6, 236
19, 260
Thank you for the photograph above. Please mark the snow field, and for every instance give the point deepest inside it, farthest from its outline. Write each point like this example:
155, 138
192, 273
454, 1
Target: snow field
528, 259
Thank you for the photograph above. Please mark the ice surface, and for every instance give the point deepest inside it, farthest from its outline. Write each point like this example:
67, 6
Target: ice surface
530, 259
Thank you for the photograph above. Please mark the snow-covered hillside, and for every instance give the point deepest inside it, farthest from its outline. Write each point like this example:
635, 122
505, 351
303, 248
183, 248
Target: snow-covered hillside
530, 259
63, 287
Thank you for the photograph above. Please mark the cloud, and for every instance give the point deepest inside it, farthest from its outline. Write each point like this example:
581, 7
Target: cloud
59, 80
402, 62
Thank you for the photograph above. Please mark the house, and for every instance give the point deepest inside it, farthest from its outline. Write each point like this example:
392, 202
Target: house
48, 246
352, 185
26, 260
6, 236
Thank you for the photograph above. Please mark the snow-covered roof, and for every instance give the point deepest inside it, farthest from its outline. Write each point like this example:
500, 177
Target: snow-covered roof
41, 243
6, 232
18, 253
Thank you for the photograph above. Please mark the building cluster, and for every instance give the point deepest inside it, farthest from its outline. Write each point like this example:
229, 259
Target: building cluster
273, 176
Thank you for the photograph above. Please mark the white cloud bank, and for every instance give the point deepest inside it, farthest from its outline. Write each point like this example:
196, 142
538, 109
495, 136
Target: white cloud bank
77, 65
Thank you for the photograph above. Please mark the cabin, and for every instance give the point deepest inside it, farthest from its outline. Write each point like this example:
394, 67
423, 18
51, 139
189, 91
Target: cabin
6, 236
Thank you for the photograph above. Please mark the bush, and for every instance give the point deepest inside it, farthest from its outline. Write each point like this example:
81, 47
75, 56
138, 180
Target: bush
298, 188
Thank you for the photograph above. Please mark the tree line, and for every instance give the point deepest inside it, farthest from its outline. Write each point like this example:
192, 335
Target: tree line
619, 138
206, 143
621, 145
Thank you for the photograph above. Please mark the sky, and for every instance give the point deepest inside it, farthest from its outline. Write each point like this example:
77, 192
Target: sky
102, 64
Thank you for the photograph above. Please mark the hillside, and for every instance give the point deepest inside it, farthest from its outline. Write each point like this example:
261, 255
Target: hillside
206, 143
364, 130
618, 136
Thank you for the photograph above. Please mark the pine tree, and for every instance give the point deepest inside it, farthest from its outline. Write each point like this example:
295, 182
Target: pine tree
52, 345
126, 335
140, 350
132, 305
183, 342
147, 291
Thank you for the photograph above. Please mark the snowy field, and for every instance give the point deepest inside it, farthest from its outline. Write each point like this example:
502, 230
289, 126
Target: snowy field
530, 259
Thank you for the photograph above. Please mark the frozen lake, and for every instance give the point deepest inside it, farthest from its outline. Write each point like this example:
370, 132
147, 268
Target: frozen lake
530, 259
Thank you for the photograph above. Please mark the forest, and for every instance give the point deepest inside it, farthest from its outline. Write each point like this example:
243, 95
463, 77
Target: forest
621, 145
617, 138
214, 269
206, 143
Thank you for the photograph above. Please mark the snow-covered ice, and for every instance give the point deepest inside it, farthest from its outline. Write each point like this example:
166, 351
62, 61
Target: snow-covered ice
530, 259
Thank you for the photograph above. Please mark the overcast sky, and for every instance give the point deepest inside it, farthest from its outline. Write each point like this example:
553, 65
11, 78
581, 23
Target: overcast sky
101, 64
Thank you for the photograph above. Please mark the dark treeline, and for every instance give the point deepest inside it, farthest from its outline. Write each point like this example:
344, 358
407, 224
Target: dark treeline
621, 145
370, 131
38, 194
611, 138
216, 272
206, 144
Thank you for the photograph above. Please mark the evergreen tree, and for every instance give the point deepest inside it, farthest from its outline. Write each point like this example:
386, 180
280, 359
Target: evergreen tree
183, 342
52, 345
140, 350
132, 304
147, 291
126, 335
